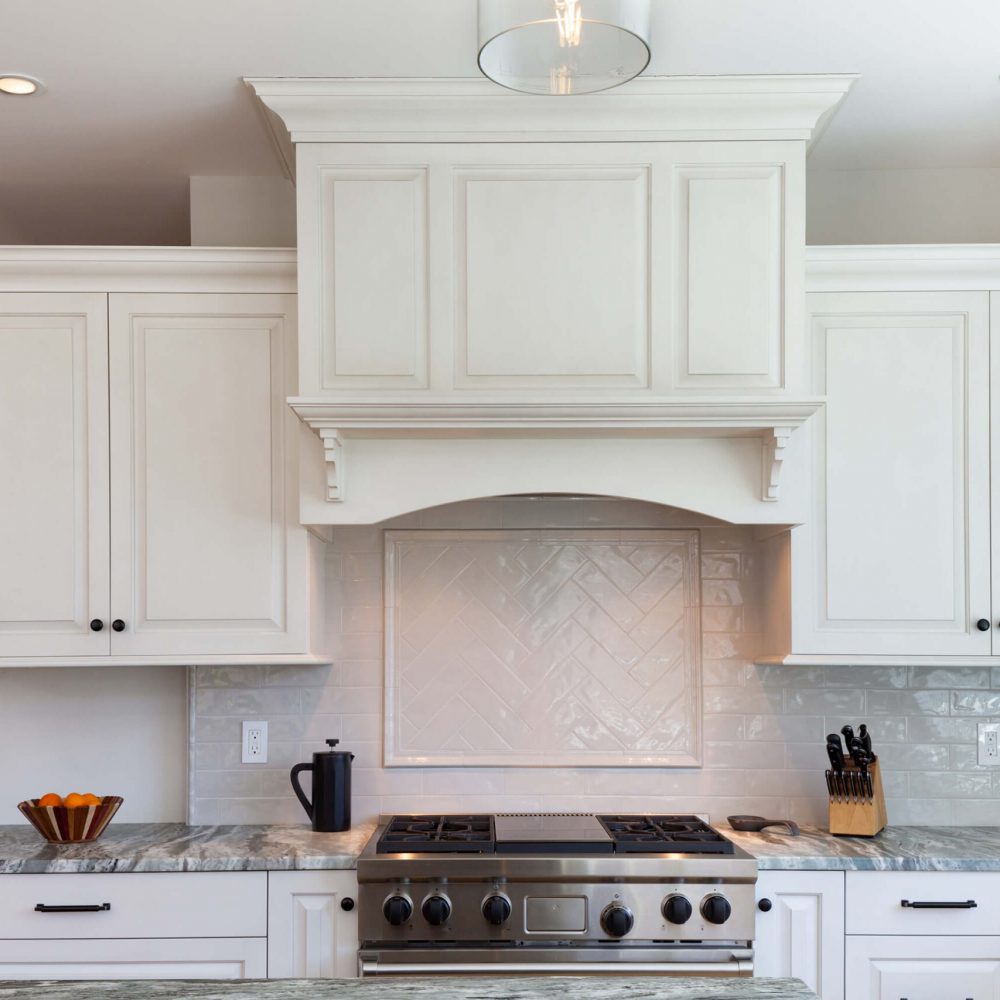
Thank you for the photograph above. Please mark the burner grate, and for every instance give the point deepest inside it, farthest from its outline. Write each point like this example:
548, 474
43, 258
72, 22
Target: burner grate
664, 834
423, 834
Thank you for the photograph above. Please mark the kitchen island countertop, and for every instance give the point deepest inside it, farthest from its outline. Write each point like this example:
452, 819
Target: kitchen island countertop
896, 848
177, 847
438, 988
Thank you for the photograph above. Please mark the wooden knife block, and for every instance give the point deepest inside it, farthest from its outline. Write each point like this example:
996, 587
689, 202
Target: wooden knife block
860, 819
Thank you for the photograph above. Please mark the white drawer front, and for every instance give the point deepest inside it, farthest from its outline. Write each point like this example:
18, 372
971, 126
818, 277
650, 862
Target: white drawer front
167, 905
178, 958
875, 903
923, 968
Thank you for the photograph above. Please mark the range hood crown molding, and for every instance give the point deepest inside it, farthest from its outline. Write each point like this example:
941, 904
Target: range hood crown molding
316, 109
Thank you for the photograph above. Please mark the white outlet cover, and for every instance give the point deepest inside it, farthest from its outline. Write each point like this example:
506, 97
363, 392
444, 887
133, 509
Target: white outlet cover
989, 744
254, 742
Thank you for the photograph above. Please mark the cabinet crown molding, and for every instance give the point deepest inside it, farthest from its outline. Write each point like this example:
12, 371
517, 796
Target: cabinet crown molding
147, 269
315, 109
903, 267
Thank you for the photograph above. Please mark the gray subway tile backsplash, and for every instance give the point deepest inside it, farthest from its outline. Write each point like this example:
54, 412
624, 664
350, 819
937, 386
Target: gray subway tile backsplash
763, 726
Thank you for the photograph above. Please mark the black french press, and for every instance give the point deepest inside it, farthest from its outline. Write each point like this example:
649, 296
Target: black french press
330, 809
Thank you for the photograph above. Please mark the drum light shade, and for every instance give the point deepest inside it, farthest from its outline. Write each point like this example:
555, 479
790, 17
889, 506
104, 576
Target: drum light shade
563, 46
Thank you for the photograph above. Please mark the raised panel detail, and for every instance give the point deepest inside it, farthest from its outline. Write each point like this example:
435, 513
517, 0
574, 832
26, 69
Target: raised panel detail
310, 935
543, 648
923, 968
198, 504
729, 275
552, 276
54, 487
172, 958
802, 935
374, 327
899, 544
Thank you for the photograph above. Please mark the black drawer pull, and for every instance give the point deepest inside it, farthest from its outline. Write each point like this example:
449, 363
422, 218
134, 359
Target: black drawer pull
91, 908
969, 904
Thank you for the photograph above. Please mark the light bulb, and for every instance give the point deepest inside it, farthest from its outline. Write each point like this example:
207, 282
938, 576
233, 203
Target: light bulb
569, 18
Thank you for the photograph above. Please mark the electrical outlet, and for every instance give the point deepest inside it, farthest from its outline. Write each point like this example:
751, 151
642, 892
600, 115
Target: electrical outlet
989, 744
254, 742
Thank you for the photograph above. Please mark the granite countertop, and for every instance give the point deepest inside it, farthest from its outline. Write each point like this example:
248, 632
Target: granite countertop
176, 847
896, 848
438, 988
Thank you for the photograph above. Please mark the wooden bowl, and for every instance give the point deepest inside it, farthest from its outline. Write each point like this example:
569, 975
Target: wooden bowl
77, 825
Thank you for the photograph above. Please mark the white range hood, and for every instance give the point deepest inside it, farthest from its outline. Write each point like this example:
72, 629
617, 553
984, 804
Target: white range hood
505, 294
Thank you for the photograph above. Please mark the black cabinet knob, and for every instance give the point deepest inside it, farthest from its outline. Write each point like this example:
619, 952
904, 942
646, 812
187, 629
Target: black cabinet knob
716, 909
617, 920
347, 904
983, 624
764, 905
496, 910
436, 910
397, 910
118, 625
677, 909
96, 625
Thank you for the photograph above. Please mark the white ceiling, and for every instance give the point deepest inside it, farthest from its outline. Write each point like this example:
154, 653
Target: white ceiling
141, 95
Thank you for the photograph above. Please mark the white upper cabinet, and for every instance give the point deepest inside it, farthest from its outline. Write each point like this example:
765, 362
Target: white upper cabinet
150, 494
54, 487
199, 506
644, 269
895, 559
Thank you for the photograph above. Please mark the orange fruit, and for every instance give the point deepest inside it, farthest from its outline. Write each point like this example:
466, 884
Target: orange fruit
73, 800
89, 799
50, 800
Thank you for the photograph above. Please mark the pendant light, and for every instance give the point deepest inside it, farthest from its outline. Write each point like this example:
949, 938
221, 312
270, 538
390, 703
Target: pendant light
563, 46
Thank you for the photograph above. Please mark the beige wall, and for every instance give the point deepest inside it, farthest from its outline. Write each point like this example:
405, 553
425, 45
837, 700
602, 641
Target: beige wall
242, 212
949, 205
107, 730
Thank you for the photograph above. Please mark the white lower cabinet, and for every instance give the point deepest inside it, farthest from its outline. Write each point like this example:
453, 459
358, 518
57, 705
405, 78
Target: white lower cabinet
923, 968
179, 925
312, 925
111, 958
923, 936
801, 933
170, 925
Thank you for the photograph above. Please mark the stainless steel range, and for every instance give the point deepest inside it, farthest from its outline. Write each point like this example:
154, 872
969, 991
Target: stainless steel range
549, 893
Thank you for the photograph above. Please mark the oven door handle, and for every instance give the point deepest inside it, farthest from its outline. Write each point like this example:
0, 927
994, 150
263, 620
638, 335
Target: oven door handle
739, 967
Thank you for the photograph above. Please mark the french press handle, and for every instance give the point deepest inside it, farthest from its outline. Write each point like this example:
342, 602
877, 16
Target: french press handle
306, 804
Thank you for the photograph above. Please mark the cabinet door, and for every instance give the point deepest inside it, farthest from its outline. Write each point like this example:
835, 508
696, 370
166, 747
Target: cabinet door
310, 935
802, 935
135, 958
923, 968
54, 487
199, 475
896, 558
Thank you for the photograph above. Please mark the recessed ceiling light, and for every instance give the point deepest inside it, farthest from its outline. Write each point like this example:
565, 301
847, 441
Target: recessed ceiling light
19, 86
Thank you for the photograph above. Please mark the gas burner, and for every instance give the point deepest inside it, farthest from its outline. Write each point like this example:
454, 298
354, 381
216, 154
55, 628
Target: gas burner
664, 834
406, 834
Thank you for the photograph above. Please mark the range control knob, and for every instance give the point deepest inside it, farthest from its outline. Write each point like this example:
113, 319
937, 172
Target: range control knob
677, 909
496, 910
397, 910
436, 910
716, 909
617, 920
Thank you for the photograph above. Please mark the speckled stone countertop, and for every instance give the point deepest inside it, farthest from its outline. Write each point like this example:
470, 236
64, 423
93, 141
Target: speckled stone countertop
896, 848
176, 847
430, 987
